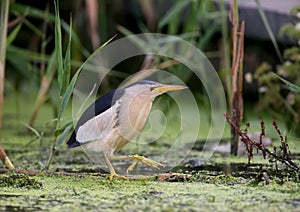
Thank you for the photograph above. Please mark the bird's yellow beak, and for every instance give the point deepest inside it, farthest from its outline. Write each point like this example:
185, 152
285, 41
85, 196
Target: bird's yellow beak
166, 88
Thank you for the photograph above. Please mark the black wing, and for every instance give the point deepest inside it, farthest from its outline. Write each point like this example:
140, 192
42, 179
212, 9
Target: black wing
99, 106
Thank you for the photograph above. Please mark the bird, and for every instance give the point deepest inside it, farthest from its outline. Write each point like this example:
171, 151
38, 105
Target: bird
116, 118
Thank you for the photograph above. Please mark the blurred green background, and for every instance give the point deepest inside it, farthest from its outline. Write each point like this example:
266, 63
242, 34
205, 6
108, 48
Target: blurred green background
271, 46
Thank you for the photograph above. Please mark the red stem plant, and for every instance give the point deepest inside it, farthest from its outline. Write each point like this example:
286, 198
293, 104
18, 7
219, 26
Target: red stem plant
283, 156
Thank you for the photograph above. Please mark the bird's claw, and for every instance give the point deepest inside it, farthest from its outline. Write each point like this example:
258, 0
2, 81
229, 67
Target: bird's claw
146, 161
111, 176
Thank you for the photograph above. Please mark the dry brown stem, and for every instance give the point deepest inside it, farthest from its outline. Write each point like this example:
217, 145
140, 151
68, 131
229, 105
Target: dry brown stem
237, 73
5, 159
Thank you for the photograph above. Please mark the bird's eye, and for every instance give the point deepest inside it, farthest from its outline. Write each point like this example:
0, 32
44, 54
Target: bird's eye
152, 88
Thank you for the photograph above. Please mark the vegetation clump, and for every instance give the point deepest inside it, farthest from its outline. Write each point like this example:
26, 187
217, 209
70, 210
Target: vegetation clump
283, 101
19, 181
222, 179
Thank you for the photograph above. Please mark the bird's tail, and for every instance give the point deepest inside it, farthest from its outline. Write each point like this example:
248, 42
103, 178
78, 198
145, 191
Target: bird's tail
72, 142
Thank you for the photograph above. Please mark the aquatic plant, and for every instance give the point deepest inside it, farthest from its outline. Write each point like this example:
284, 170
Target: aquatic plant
283, 155
283, 100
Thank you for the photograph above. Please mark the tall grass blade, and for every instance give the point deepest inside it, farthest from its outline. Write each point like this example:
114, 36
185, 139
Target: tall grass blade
58, 49
292, 86
3, 36
30, 11
127, 33
26, 54
173, 13
12, 36
63, 136
67, 63
64, 101
269, 30
70, 88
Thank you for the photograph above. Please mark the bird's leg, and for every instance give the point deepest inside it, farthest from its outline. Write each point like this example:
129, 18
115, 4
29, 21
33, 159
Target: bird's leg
138, 158
112, 170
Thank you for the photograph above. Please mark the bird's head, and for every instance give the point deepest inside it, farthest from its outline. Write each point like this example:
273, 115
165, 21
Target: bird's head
152, 89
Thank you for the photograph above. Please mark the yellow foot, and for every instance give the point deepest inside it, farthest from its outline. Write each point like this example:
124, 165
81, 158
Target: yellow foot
115, 175
143, 160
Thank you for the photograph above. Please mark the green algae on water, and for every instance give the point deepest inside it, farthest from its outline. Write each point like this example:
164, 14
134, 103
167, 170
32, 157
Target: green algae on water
19, 181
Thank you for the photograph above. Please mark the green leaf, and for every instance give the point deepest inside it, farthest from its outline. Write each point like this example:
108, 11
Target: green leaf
67, 63
292, 86
25, 54
192, 24
58, 49
128, 33
173, 13
12, 36
268, 28
51, 63
61, 129
62, 137
207, 36
30, 11
33, 130
70, 88
75, 39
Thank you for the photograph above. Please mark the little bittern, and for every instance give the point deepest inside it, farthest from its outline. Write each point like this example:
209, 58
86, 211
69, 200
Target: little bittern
116, 118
